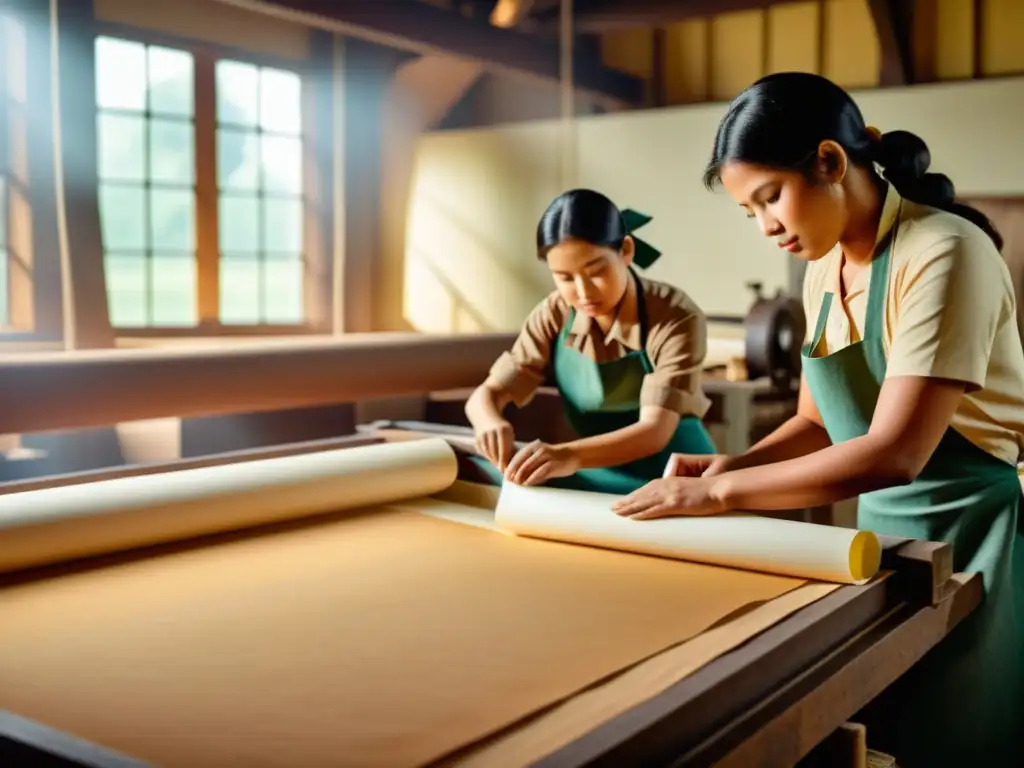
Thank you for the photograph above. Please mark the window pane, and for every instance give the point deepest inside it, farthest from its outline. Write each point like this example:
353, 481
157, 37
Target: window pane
238, 160
172, 220
173, 288
126, 290
120, 74
282, 165
4, 288
237, 93
15, 40
3, 212
282, 226
239, 224
239, 291
280, 101
171, 153
123, 218
122, 148
170, 82
283, 291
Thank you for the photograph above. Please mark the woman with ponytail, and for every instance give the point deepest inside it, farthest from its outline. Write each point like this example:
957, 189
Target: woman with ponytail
625, 353
912, 396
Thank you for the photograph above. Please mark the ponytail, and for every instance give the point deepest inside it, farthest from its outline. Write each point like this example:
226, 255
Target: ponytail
904, 159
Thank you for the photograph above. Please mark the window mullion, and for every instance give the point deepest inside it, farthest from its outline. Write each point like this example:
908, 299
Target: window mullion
207, 200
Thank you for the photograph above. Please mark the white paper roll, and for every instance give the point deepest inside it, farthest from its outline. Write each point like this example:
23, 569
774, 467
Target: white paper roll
783, 547
66, 522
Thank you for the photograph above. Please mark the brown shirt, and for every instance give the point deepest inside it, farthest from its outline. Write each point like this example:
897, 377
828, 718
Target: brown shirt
676, 346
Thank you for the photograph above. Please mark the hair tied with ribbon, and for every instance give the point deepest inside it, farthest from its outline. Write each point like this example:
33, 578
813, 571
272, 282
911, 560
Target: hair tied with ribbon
874, 133
644, 254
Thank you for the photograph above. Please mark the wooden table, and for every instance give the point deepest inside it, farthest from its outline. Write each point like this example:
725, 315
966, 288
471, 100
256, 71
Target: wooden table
767, 703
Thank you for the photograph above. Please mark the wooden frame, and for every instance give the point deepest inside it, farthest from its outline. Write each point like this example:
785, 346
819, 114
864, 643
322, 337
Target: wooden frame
768, 702
316, 217
34, 305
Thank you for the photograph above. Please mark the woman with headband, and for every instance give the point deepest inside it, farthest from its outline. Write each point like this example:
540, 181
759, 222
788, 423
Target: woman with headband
912, 396
625, 353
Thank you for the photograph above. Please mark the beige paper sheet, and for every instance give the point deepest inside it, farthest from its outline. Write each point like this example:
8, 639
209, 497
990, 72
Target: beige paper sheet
390, 638
535, 737
820, 552
539, 736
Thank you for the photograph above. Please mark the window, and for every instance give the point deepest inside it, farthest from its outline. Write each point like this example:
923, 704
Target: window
259, 184
4, 258
15, 258
5, 289
161, 150
146, 135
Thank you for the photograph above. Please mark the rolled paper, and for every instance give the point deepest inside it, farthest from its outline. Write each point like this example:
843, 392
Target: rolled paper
744, 541
51, 525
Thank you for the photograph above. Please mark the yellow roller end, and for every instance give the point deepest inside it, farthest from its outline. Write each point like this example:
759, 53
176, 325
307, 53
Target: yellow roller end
865, 556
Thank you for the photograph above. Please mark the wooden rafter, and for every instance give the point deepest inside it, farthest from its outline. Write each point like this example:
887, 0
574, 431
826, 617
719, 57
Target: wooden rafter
426, 29
893, 19
603, 15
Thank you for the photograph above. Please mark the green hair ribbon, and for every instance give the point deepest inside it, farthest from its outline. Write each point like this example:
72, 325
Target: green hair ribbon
644, 254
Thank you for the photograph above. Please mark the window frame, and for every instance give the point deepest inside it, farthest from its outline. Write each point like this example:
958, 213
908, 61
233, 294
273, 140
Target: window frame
35, 316
207, 194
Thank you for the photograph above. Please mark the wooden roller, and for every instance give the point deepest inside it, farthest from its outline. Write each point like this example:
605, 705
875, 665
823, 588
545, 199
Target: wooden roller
74, 390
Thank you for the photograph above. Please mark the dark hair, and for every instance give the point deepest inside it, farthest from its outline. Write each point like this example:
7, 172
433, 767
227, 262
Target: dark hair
780, 120
581, 214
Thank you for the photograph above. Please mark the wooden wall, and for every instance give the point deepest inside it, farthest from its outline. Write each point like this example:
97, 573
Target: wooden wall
712, 59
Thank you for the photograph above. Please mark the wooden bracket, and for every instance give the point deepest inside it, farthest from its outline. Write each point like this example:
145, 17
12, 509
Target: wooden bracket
923, 569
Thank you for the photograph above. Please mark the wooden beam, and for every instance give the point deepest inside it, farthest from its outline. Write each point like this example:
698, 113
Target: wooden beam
605, 15
425, 29
86, 316
893, 20
44, 392
659, 85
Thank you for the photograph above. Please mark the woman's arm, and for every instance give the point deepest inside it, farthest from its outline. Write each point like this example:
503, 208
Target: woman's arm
518, 372
486, 405
911, 416
513, 378
953, 297
800, 435
649, 435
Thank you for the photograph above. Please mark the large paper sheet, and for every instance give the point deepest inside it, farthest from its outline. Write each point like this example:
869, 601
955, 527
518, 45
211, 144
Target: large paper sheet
388, 638
527, 742
809, 551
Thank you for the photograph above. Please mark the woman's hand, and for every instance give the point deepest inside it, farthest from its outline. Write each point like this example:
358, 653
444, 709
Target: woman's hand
495, 441
695, 465
538, 462
672, 497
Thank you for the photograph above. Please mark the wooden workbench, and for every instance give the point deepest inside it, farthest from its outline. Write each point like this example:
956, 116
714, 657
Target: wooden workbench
768, 702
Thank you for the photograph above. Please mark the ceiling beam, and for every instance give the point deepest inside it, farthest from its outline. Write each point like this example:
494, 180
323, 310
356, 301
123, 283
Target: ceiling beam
428, 30
605, 15
893, 19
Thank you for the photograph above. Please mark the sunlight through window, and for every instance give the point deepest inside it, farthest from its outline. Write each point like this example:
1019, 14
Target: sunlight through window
146, 164
260, 183
148, 131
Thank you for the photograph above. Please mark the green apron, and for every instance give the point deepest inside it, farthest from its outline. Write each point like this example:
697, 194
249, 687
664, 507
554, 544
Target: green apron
963, 703
603, 397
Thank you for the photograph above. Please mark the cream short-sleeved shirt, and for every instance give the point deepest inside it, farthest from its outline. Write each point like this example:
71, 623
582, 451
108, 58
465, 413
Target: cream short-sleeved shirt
676, 346
950, 313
